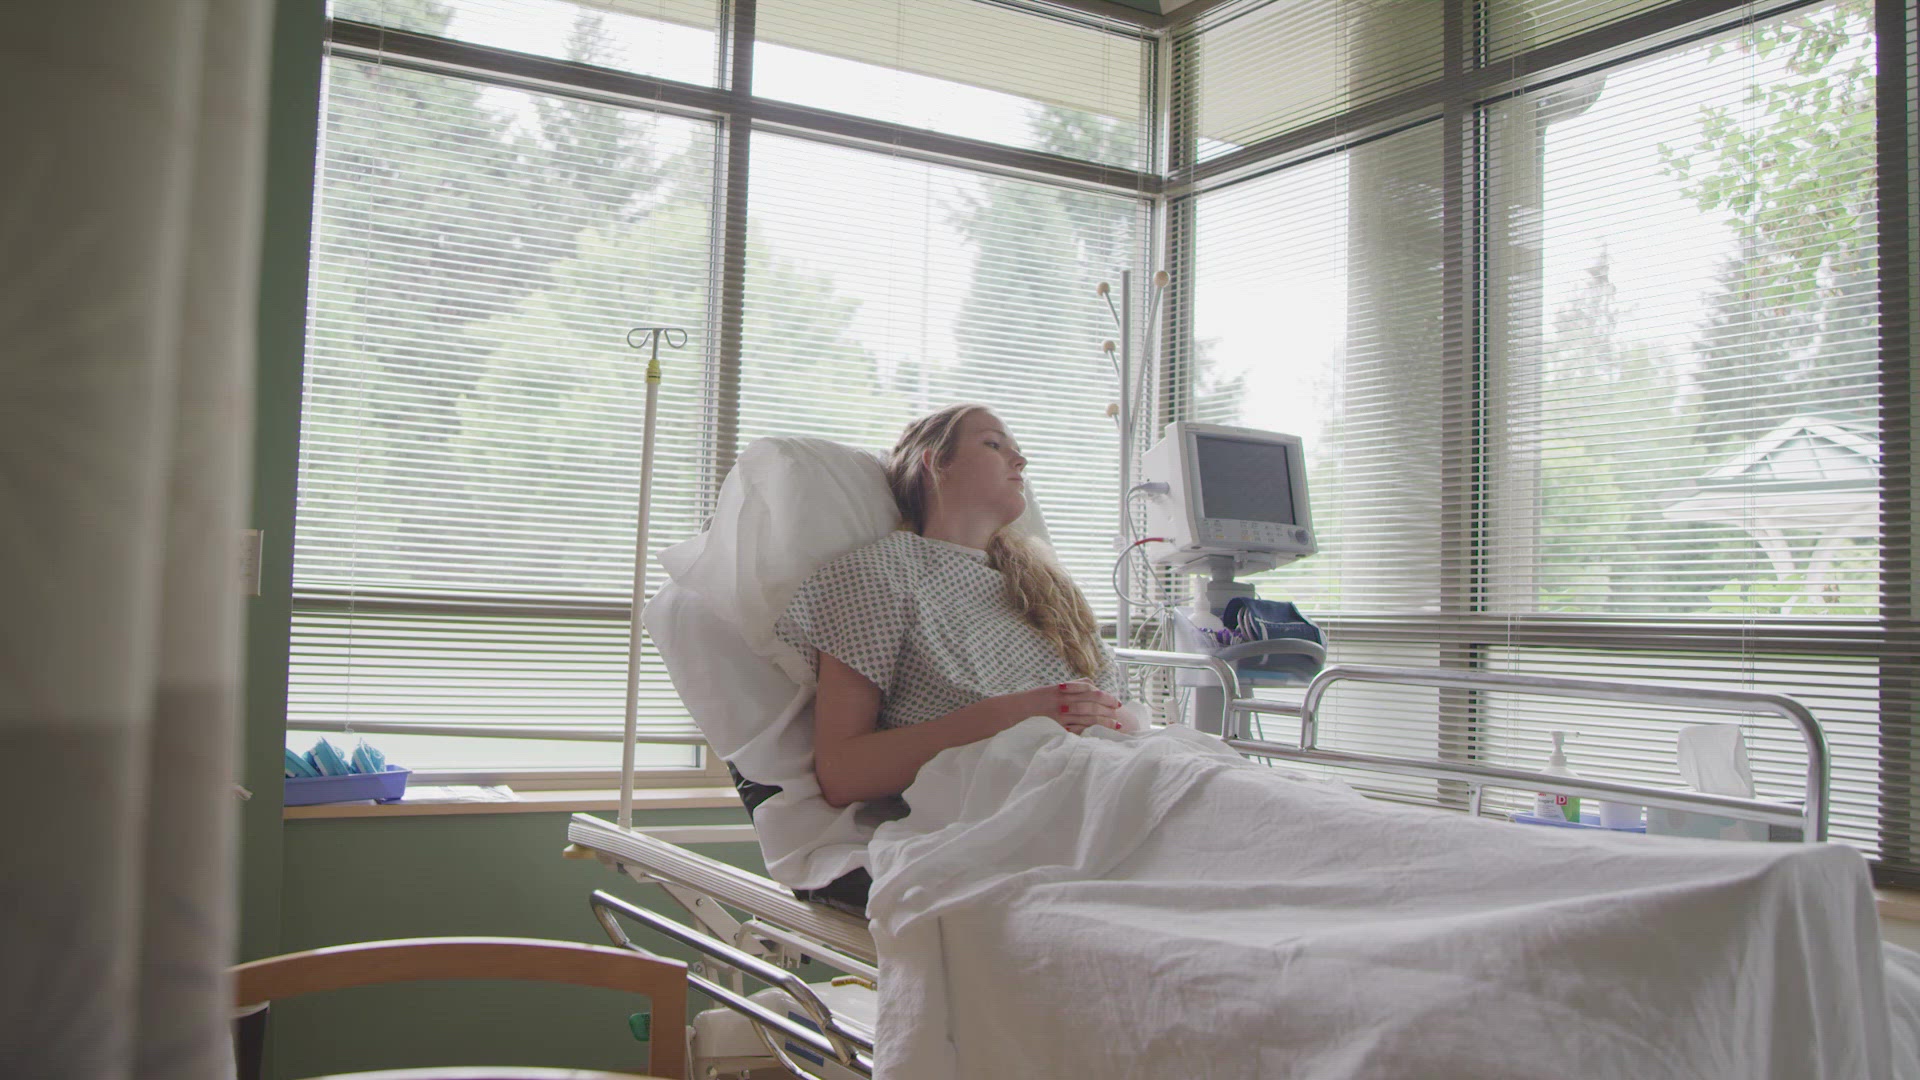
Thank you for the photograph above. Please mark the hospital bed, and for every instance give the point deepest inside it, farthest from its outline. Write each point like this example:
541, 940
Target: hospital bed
749, 927
713, 627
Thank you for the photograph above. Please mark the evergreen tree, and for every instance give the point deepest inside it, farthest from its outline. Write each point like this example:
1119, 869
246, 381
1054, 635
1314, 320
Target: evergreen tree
419, 175
1038, 251
1605, 543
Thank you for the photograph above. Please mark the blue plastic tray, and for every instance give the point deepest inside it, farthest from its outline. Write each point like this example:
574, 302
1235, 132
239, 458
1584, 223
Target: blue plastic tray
388, 786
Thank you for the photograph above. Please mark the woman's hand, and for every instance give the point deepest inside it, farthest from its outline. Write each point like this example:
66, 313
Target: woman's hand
1076, 705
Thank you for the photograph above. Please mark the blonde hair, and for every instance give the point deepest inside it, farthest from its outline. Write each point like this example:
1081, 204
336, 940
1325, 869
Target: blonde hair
1037, 588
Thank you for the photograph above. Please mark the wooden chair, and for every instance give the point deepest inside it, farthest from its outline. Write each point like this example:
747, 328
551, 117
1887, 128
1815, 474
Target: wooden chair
475, 1073
371, 963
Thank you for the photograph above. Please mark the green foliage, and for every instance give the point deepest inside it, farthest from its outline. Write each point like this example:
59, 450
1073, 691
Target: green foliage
1792, 170
479, 257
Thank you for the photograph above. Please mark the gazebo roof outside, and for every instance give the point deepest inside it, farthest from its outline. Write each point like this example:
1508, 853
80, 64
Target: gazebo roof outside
1811, 472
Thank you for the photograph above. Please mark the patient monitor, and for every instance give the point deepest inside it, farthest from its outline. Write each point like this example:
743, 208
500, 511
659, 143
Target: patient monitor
1223, 501
1226, 493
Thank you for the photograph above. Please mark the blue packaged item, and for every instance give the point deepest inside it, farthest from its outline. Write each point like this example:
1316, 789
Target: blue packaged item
328, 760
387, 786
367, 759
326, 777
1265, 620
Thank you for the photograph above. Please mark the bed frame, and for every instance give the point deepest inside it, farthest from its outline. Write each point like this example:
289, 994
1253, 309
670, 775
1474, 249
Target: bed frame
778, 932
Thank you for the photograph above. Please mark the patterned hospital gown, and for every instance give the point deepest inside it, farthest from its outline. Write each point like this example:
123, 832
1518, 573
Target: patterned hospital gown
928, 623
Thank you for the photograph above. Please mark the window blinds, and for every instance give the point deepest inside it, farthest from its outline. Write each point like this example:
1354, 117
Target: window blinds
988, 71
1252, 72
1687, 427
471, 419
1316, 310
905, 286
1646, 439
672, 39
1510, 27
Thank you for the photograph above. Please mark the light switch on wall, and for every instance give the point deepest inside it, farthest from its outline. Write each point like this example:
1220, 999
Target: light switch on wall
250, 545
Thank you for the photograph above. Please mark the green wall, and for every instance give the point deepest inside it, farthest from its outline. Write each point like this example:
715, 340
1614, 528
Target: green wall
292, 123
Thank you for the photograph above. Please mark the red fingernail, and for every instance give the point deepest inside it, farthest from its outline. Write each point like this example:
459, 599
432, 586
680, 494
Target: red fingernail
1062, 686
1063, 709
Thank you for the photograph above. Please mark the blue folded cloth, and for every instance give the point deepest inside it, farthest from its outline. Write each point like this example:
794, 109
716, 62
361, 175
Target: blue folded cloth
298, 766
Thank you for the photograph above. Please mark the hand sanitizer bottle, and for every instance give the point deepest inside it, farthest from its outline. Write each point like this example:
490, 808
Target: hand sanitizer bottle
1550, 805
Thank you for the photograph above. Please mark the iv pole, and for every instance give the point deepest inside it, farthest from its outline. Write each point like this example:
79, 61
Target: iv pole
1125, 415
649, 335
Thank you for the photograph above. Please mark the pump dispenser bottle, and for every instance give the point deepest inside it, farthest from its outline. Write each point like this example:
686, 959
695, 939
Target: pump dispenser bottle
1551, 805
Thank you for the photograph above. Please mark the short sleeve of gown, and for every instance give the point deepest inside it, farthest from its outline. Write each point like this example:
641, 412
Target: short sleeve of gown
855, 607
1109, 678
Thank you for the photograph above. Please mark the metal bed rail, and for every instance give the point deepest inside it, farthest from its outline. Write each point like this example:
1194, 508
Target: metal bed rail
851, 1046
1810, 817
833, 1038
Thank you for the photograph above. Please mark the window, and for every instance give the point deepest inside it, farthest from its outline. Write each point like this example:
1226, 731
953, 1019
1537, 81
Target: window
511, 185
1592, 355
1585, 324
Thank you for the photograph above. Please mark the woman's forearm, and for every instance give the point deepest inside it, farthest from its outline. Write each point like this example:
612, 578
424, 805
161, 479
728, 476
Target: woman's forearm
884, 762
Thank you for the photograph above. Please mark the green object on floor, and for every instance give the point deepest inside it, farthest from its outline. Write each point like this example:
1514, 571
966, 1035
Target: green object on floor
641, 1024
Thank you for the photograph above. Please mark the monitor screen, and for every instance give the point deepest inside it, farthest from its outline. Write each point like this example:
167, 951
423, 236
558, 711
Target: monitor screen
1241, 480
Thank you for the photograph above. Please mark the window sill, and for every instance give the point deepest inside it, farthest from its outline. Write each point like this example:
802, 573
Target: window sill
531, 802
1902, 905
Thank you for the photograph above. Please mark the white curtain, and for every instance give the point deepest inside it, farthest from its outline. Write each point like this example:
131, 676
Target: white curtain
130, 164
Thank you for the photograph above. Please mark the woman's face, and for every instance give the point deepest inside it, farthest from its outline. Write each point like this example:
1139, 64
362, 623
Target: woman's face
985, 470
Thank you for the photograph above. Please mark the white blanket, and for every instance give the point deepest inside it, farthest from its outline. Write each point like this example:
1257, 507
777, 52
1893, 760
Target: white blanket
1098, 906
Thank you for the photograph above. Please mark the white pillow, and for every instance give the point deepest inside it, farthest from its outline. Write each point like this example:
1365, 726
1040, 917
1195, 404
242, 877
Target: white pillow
789, 506
759, 721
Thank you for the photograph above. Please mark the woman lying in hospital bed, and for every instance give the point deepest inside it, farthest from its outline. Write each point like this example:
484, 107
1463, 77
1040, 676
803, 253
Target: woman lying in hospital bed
950, 630
1067, 899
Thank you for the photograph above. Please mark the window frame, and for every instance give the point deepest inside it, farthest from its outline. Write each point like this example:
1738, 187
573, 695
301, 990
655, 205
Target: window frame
730, 105
1167, 186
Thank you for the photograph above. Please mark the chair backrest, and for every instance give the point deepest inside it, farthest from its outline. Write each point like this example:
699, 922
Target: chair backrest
372, 963
482, 1073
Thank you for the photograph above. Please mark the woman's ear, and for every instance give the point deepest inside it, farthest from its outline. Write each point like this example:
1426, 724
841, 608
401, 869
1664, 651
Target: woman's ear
926, 461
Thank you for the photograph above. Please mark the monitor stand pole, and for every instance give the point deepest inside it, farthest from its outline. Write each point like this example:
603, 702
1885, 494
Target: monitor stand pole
1209, 703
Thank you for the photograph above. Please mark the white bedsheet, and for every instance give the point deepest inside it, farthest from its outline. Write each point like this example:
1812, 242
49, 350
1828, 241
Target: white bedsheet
1108, 907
